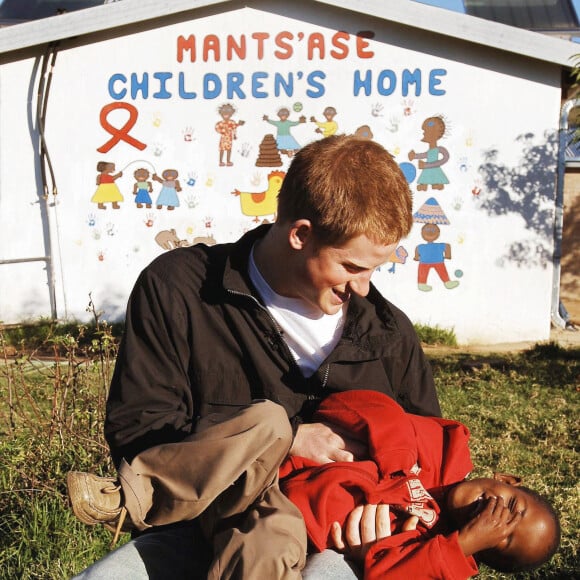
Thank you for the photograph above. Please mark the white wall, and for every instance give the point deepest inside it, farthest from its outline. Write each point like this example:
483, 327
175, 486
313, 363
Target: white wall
500, 257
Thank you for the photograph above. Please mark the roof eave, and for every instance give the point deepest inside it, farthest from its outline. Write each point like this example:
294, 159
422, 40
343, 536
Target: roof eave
413, 14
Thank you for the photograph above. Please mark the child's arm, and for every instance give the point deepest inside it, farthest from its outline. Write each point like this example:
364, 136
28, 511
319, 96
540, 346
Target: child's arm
443, 557
410, 555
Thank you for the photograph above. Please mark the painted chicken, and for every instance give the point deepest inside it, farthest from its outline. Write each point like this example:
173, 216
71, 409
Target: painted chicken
262, 203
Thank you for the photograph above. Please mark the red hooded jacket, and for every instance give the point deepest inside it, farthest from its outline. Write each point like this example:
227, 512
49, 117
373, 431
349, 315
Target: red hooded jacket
412, 460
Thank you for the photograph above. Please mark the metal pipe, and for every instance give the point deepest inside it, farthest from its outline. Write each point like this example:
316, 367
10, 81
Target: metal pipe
24, 260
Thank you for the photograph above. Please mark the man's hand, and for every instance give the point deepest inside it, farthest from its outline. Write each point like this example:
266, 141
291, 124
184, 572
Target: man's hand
364, 526
491, 526
325, 443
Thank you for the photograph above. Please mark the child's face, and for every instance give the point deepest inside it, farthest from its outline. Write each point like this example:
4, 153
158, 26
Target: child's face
529, 540
430, 232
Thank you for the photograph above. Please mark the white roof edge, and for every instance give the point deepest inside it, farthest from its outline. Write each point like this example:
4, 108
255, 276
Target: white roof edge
460, 26
468, 28
93, 19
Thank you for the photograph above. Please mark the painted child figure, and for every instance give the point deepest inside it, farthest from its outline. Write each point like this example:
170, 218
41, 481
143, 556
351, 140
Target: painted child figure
142, 188
430, 161
107, 190
432, 256
170, 186
227, 128
284, 138
328, 127
440, 523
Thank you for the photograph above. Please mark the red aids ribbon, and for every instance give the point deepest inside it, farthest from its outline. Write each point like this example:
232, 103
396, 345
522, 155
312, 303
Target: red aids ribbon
121, 134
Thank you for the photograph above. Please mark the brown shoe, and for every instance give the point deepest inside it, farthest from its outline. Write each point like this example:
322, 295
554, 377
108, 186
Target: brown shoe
98, 500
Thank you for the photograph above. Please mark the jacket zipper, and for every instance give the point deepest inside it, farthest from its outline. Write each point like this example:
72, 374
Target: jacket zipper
325, 378
274, 323
281, 340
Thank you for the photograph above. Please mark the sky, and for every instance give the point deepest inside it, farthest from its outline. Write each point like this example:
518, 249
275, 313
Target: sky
456, 5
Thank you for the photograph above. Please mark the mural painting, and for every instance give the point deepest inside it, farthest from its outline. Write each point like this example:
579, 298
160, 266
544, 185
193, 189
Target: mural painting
328, 127
430, 161
260, 204
192, 127
432, 254
227, 128
285, 141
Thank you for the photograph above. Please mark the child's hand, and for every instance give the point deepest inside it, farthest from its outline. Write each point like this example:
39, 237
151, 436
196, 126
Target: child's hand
488, 528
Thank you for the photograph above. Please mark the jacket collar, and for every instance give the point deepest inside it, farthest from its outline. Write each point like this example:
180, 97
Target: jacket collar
236, 277
362, 315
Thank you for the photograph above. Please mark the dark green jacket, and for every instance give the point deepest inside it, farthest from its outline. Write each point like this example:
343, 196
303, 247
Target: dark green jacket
198, 340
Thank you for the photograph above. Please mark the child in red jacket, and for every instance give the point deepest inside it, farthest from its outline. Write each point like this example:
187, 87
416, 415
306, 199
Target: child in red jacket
440, 522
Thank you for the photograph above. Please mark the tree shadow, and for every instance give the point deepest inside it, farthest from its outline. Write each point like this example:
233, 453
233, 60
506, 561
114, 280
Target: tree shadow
527, 189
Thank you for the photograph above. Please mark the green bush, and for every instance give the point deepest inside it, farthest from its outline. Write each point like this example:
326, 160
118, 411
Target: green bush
434, 335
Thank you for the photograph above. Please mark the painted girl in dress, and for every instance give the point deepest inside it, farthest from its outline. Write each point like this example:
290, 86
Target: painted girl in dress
170, 186
284, 140
107, 190
436, 156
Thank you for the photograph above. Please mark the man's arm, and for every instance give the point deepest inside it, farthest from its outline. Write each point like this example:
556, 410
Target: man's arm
414, 384
150, 400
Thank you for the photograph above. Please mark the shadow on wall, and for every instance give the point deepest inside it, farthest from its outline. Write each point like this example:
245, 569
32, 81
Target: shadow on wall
527, 189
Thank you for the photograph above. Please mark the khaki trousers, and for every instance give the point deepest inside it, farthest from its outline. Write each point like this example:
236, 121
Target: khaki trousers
227, 475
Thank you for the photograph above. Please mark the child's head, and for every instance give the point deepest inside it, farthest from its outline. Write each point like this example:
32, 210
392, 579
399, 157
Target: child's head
430, 232
533, 541
433, 128
170, 174
105, 167
141, 174
226, 110
329, 113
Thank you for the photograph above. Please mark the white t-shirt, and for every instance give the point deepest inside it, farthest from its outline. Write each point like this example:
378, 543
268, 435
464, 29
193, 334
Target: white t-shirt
309, 333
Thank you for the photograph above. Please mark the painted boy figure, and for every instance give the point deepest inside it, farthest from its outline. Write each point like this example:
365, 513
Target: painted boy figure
432, 256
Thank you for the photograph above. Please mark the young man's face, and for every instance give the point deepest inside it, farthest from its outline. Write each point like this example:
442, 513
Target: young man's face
528, 540
327, 276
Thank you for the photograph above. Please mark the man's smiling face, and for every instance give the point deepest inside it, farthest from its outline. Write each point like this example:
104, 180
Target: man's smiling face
328, 275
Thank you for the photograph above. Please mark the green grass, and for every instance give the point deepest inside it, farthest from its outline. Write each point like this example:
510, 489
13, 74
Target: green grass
51, 419
522, 411
435, 335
